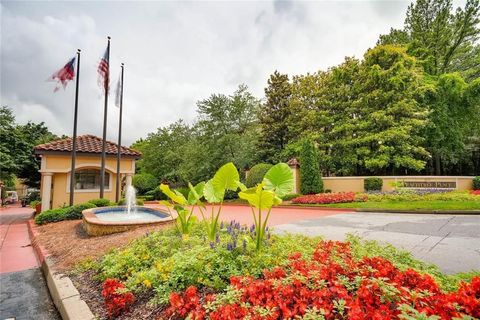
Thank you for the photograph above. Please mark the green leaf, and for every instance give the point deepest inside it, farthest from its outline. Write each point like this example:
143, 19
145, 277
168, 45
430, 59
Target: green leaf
176, 196
279, 179
241, 186
196, 193
166, 203
258, 197
212, 195
226, 178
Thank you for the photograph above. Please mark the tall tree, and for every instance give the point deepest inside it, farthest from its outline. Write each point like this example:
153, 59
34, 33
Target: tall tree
443, 40
273, 115
390, 118
16, 148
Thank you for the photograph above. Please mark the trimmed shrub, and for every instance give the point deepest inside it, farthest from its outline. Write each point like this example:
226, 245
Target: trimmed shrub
311, 179
476, 183
100, 202
61, 214
373, 184
144, 182
291, 196
75, 212
52, 215
256, 174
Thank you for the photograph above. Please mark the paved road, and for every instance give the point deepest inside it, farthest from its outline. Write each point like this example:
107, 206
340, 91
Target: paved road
450, 241
23, 292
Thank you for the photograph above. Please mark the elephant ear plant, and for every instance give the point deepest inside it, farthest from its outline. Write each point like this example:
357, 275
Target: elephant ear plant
226, 178
277, 182
185, 217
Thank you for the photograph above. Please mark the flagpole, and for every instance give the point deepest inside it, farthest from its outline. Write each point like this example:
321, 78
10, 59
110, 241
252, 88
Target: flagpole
104, 142
74, 142
119, 145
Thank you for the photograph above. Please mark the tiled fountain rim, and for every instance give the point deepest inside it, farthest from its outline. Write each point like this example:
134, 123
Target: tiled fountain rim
90, 216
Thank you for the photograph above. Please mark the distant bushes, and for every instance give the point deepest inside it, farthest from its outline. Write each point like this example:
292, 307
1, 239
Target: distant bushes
123, 202
100, 202
476, 183
144, 182
373, 184
155, 194
65, 213
256, 173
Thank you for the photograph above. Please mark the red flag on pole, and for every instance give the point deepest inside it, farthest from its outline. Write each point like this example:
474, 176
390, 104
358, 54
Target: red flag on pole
64, 75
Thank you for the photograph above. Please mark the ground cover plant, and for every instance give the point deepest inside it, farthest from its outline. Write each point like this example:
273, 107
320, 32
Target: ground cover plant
399, 199
332, 284
163, 265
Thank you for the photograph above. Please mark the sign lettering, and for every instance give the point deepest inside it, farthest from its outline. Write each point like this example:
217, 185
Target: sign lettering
430, 184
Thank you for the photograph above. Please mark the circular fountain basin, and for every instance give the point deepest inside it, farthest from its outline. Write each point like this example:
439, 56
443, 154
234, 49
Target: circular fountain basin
107, 220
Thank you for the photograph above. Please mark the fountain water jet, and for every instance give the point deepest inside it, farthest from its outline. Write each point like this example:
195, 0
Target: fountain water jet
131, 199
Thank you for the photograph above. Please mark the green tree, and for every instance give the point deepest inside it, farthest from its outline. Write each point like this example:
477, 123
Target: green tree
274, 135
16, 148
227, 128
443, 40
390, 118
144, 182
454, 114
310, 175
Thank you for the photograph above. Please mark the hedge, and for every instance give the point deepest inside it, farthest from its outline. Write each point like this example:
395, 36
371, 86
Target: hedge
476, 183
256, 174
100, 202
65, 213
373, 184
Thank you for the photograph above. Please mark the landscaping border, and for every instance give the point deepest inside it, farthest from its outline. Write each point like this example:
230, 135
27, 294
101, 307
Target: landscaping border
62, 290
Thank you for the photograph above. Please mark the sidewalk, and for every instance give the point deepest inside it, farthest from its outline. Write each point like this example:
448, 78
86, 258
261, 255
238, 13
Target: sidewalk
16, 252
23, 291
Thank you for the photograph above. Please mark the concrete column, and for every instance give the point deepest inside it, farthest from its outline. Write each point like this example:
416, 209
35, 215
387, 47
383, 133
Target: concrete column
294, 166
128, 180
46, 190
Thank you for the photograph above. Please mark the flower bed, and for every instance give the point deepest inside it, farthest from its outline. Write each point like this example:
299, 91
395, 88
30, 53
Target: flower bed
197, 274
325, 198
331, 285
413, 195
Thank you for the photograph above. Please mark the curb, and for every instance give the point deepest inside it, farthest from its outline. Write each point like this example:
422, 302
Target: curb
64, 294
455, 212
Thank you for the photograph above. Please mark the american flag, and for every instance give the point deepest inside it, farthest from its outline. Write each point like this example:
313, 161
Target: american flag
64, 75
103, 72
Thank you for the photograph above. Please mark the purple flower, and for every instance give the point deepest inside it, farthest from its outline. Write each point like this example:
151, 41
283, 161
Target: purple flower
212, 245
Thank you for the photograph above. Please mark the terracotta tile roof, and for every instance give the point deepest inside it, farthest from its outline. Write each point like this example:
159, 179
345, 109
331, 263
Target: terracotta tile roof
86, 144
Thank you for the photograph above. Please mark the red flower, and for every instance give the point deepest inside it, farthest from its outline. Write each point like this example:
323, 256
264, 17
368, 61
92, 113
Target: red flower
325, 198
117, 298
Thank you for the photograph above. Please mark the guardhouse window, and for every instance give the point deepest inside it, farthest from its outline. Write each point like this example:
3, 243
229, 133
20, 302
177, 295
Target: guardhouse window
90, 179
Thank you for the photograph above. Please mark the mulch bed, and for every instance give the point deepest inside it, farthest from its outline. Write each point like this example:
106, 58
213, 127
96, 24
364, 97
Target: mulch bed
68, 244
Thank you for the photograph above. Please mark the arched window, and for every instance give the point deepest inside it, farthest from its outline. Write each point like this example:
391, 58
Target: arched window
89, 179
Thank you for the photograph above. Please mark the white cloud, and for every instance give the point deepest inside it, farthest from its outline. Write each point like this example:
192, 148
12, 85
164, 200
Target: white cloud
175, 53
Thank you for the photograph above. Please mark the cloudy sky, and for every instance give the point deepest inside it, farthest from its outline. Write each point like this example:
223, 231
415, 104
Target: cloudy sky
175, 53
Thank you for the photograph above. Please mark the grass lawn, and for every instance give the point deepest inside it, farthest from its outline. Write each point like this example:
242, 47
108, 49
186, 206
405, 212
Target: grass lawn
411, 205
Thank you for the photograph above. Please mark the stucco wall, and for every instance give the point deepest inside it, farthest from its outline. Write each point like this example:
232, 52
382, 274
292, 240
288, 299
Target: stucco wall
355, 184
60, 165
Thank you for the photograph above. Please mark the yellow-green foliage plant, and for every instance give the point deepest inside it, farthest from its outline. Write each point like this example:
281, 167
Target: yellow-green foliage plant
185, 218
277, 183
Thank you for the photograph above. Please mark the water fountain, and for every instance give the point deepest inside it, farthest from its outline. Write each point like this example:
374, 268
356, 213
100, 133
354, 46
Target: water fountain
131, 199
107, 220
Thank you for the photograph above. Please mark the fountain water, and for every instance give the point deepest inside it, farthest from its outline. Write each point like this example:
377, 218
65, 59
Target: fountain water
131, 199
